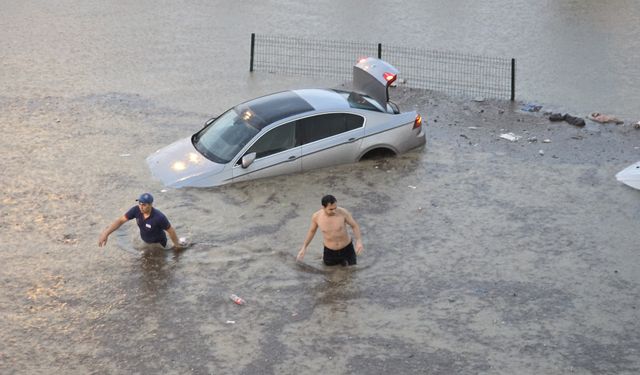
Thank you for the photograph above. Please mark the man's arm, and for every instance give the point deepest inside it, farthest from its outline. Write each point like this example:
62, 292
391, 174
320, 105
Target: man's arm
356, 231
312, 232
104, 236
174, 238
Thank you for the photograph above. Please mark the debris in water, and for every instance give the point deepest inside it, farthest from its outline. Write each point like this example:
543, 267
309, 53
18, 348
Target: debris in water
510, 137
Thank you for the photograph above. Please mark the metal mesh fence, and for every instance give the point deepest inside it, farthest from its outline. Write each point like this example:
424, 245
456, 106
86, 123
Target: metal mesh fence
454, 73
449, 72
302, 56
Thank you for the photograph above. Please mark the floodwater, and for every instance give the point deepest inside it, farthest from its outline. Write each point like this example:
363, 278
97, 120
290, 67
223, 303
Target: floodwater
480, 256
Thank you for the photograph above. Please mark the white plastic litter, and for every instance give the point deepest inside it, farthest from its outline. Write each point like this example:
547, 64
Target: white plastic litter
510, 137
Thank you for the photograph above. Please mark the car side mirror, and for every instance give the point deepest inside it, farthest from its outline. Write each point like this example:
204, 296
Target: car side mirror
248, 159
209, 122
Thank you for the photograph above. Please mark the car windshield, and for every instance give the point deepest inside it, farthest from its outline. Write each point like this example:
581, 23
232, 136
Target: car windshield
221, 140
227, 135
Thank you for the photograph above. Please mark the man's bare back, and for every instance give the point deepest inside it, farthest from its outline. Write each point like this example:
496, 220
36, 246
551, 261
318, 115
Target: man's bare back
332, 221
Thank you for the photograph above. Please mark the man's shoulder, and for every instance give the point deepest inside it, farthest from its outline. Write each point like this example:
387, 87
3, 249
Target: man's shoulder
342, 211
132, 212
158, 214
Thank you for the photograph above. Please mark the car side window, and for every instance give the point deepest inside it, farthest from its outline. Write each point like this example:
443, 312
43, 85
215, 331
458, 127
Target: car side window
324, 126
353, 121
275, 140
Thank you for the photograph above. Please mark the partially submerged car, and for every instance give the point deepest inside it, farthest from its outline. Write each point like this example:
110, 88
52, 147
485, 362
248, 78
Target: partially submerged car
293, 131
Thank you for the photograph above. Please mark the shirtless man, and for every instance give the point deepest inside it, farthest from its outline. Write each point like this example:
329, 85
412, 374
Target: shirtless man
332, 221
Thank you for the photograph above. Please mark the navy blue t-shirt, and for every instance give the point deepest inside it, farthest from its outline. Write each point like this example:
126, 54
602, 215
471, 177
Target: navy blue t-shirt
152, 228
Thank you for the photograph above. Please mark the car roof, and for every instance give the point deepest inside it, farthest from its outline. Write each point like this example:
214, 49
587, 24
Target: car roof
273, 107
323, 99
265, 110
268, 109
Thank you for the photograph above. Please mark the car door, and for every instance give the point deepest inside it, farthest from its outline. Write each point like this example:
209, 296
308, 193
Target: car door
330, 139
277, 153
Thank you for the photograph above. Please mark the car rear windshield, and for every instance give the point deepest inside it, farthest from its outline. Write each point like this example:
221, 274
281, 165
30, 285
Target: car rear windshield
221, 141
359, 101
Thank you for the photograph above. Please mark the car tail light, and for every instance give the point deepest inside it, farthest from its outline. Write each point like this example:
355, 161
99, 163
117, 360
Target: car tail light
389, 77
417, 122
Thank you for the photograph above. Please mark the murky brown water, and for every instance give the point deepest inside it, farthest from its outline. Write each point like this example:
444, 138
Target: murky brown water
481, 256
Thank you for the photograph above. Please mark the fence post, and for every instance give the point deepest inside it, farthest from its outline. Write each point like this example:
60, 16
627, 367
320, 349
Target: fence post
380, 50
513, 79
253, 43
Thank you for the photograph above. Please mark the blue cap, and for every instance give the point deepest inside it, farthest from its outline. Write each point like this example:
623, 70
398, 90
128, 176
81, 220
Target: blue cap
145, 198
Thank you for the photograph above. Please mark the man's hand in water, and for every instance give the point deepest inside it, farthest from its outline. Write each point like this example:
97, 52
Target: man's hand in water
359, 247
301, 254
181, 245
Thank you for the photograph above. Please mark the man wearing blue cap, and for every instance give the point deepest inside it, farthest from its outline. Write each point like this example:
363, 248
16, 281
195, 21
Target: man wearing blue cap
151, 221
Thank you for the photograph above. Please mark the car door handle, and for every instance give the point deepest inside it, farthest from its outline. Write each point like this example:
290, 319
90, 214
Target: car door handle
353, 139
292, 157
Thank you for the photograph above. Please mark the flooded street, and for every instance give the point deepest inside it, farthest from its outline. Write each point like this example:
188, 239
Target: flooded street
481, 255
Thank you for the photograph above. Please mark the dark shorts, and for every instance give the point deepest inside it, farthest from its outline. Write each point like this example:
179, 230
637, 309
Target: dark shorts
344, 256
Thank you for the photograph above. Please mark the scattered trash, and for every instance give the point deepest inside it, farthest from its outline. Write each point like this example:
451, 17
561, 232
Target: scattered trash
163, 190
412, 187
237, 300
532, 139
476, 128
577, 121
231, 322
630, 175
541, 152
599, 117
69, 239
510, 137
125, 155
546, 141
556, 117
530, 107
636, 125
464, 136
478, 99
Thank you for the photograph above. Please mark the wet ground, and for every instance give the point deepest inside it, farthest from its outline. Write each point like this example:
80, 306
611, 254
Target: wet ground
481, 255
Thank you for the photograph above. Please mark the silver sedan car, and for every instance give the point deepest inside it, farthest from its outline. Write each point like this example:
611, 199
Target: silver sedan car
294, 131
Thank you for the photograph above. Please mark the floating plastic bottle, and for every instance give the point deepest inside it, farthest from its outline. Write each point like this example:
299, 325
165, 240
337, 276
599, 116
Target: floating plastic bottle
237, 300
